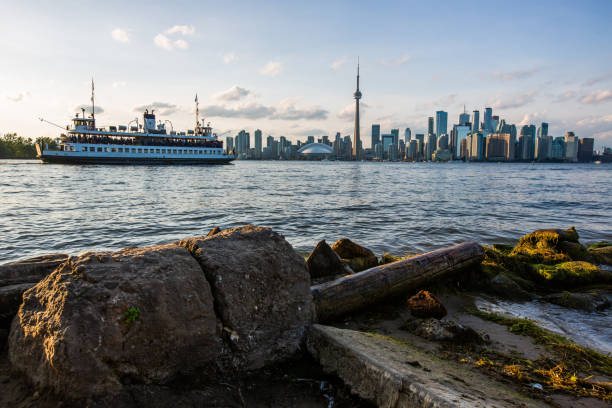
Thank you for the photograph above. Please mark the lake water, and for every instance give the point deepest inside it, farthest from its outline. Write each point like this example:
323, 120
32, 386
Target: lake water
394, 207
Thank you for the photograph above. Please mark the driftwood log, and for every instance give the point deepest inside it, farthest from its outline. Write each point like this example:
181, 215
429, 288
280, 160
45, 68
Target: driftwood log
352, 292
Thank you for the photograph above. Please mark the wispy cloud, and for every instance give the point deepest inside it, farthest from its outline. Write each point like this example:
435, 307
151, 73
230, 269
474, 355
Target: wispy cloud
88, 109
565, 96
168, 41
19, 97
441, 103
596, 97
348, 112
514, 101
120, 35
598, 79
288, 111
337, 64
272, 68
230, 58
163, 108
396, 62
246, 111
182, 29
119, 84
235, 93
533, 117
512, 75
595, 120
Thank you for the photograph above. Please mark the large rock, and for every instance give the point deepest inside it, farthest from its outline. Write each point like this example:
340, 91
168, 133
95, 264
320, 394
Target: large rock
505, 287
424, 304
602, 255
10, 299
356, 256
324, 261
262, 293
584, 301
30, 270
138, 315
542, 246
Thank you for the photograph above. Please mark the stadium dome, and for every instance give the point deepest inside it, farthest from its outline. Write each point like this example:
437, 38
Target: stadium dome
319, 149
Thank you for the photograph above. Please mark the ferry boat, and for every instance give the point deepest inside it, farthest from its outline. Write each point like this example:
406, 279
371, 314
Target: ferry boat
149, 143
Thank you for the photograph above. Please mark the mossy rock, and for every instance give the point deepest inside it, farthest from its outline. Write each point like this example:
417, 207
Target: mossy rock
542, 246
503, 248
571, 273
576, 251
602, 255
600, 244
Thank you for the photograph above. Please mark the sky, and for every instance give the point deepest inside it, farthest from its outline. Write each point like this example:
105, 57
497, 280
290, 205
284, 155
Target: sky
288, 68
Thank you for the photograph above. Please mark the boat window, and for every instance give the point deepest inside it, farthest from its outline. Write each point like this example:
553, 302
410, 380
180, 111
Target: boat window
139, 150
120, 149
99, 149
92, 149
174, 151
146, 150
133, 150
114, 150
157, 150
163, 151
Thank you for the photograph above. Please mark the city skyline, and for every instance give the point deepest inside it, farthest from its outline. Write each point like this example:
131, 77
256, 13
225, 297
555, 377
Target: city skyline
294, 75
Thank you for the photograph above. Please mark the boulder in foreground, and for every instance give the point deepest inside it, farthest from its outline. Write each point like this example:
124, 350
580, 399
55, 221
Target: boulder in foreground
425, 305
262, 293
140, 314
356, 256
324, 261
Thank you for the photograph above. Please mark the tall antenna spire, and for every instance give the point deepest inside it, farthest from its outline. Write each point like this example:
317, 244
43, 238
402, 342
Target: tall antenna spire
197, 112
93, 110
357, 72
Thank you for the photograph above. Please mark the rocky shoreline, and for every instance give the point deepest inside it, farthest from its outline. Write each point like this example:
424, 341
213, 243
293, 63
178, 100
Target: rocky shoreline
233, 319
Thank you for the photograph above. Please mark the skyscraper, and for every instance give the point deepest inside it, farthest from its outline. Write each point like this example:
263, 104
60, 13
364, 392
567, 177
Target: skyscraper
407, 135
357, 96
258, 144
441, 123
464, 118
375, 135
488, 118
430, 125
475, 121
395, 133
543, 129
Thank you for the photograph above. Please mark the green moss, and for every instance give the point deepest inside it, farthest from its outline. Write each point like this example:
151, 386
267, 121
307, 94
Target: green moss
568, 273
542, 246
573, 356
503, 248
132, 314
600, 244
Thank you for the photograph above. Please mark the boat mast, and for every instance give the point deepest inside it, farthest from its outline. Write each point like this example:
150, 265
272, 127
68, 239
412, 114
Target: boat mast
197, 114
93, 110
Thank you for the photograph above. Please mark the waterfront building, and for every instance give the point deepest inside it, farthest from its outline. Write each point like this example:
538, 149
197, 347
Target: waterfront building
387, 142
420, 138
543, 148
379, 152
243, 144
357, 143
558, 148
441, 123
543, 129
395, 133
375, 135
258, 146
571, 147
430, 146
499, 147
407, 135
430, 125
310, 139
464, 118
475, 121
585, 149
474, 146
441, 155
460, 133
488, 117
412, 150
229, 144
442, 143
494, 123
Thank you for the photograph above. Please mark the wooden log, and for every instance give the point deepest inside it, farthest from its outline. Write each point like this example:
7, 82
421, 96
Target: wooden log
352, 292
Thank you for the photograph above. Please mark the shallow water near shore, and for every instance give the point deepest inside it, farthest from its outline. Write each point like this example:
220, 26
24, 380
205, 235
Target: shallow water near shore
394, 207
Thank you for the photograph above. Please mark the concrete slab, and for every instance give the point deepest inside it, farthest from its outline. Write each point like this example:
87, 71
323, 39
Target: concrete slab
395, 375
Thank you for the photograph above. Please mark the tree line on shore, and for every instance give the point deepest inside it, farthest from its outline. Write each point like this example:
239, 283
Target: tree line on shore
19, 147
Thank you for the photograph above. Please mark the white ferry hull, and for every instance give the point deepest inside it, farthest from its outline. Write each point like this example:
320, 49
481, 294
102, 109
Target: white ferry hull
86, 157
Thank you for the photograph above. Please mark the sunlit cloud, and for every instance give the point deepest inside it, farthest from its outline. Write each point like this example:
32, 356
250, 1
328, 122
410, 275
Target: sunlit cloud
514, 101
512, 75
19, 97
247, 111
596, 97
288, 111
565, 96
88, 109
163, 108
235, 93
337, 64
598, 79
230, 58
182, 29
120, 35
348, 112
272, 68
397, 61
168, 41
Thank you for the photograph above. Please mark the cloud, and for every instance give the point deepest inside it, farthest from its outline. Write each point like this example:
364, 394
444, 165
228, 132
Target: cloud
566, 96
120, 35
337, 64
595, 120
246, 111
309, 132
182, 29
348, 112
272, 68
163, 108
596, 80
235, 93
19, 97
119, 84
440, 103
230, 58
598, 96
166, 42
533, 117
515, 101
88, 109
512, 75
287, 111
397, 61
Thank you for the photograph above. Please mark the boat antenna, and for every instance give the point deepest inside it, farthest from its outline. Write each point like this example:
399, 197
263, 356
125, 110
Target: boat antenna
93, 109
51, 123
197, 112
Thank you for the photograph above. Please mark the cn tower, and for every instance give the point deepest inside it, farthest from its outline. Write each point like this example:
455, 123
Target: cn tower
357, 141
